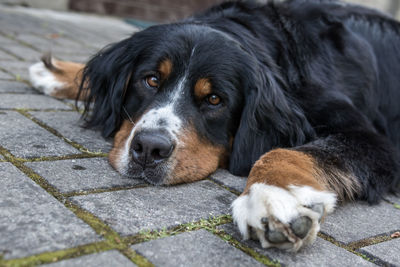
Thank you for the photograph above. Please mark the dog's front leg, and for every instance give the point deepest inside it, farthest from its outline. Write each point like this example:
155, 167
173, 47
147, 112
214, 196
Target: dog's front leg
284, 201
289, 191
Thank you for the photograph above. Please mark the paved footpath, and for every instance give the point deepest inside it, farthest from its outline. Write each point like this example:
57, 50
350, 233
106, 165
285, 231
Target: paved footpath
62, 205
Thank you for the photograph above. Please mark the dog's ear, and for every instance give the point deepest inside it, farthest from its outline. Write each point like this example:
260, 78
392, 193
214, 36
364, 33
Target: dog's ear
269, 119
104, 81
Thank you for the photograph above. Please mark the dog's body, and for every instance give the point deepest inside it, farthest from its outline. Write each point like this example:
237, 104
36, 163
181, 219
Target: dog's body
303, 95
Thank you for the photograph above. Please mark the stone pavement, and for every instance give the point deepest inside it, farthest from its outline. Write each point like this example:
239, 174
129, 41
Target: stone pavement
62, 205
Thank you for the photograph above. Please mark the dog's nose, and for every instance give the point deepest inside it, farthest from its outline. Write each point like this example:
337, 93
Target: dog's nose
151, 147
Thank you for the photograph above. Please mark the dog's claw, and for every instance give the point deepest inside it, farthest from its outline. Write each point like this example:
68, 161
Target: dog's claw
301, 226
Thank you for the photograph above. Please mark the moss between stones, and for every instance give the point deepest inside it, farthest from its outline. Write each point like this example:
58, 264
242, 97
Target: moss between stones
22, 42
113, 239
347, 247
56, 133
65, 157
55, 256
136, 258
102, 190
369, 241
249, 251
397, 206
233, 191
209, 224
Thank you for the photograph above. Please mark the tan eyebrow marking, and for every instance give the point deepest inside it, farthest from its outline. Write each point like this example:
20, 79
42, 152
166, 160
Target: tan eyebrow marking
165, 68
202, 88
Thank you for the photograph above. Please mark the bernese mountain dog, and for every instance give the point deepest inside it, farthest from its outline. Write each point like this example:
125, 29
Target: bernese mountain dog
302, 96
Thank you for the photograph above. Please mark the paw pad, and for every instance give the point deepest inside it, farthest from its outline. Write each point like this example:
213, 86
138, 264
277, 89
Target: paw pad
301, 226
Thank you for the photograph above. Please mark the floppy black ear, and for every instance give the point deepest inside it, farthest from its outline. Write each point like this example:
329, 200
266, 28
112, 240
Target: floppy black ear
104, 81
269, 119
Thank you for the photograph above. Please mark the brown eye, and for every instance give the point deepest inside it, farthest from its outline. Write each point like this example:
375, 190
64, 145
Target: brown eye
152, 81
214, 100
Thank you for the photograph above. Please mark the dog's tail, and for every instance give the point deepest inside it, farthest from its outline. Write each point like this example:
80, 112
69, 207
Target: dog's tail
60, 79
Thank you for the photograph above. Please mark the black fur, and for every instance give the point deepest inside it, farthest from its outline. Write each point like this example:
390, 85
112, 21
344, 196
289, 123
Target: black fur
317, 76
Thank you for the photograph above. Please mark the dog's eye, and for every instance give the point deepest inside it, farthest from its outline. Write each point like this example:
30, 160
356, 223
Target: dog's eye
152, 81
213, 99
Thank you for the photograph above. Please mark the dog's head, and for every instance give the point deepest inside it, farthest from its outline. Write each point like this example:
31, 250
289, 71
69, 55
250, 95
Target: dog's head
185, 99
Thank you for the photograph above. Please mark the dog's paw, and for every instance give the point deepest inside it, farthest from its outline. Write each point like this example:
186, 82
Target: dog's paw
42, 76
286, 219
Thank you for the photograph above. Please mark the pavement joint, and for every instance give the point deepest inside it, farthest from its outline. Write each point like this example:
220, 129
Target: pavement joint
102, 190
50, 257
12, 54
56, 133
233, 191
370, 241
56, 158
11, 37
15, 78
249, 251
347, 247
112, 238
210, 225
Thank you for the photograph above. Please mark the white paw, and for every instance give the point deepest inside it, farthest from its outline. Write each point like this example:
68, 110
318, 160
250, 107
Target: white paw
286, 219
43, 79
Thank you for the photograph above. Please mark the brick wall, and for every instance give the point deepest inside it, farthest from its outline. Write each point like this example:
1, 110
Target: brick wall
172, 10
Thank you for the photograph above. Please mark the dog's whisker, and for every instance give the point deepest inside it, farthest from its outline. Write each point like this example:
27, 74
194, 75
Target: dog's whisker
127, 114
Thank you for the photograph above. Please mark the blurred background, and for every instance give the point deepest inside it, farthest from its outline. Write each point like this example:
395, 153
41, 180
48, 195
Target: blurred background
159, 10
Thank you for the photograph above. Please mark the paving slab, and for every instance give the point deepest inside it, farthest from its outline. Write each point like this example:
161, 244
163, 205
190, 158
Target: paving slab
4, 40
6, 56
229, 180
131, 211
60, 47
110, 258
393, 199
92, 30
77, 57
6, 76
81, 174
52, 43
81, 104
17, 69
355, 221
29, 101
26, 139
16, 87
387, 252
23, 52
320, 253
32, 221
201, 247
70, 126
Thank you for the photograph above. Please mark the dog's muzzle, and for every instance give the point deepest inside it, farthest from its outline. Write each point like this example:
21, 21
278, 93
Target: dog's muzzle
150, 150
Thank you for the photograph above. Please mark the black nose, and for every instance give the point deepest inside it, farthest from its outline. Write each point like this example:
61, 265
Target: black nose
150, 148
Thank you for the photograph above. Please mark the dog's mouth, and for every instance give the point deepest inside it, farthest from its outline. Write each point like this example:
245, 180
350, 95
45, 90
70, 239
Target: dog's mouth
155, 174
155, 156
149, 156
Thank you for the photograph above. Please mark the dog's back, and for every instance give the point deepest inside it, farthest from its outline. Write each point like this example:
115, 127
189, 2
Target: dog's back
349, 50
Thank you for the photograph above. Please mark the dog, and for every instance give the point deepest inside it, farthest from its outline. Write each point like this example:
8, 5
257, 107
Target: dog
301, 96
